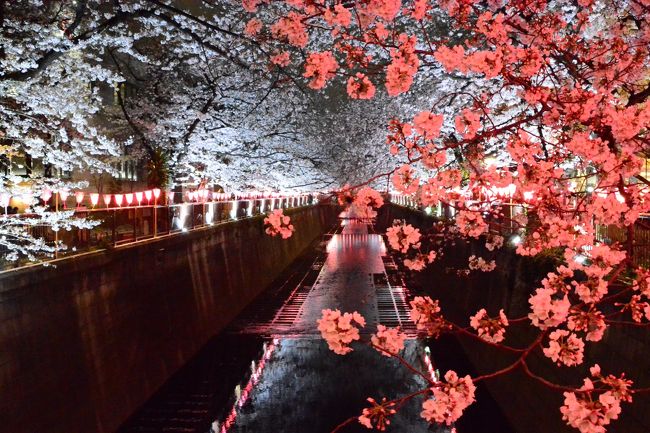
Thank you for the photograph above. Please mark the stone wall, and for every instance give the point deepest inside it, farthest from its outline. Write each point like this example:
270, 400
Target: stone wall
529, 406
85, 343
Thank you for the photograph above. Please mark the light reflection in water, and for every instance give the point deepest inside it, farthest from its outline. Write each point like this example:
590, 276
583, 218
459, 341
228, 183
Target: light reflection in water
242, 396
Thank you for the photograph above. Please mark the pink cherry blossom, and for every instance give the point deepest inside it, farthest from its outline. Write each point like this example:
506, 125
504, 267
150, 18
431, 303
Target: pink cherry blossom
377, 415
494, 242
291, 29
425, 313
405, 180
428, 124
386, 9
339, 330
403, 236
565, 348
489, 329
253, 27
420, 9
468, 123
279, 224
339, 15
471, 223
360, 87
587, 415
250, 5
548, 311
450, 398
591, 322
320, 67
388, 341
420, 261
282, 59
479, 263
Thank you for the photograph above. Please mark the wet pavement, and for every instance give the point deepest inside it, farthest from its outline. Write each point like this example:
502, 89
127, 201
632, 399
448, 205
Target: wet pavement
272, 372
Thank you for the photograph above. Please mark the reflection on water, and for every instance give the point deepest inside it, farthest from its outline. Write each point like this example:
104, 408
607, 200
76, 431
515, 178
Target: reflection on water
241, 396
243, 382
299, 385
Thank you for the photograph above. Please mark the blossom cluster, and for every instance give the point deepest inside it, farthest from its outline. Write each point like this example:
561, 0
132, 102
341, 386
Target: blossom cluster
480, 264
388, 341
592, 407
425, 313
279, 224
340, 329
565, 348
402, 236
376, 416
450, 398
489, 329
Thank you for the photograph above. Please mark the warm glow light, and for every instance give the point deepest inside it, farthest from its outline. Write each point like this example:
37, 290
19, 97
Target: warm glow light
156, 193
64, 195
138, 197
94, 198
5, 197
46, 195
233, 211
118, 199
107, 199
147, 195
79, 197
129, 198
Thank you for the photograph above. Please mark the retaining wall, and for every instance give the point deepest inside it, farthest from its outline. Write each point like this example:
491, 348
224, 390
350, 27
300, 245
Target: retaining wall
529, 406
85, 343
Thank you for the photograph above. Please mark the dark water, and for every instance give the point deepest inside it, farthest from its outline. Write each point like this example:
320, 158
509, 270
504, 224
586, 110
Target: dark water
271, 371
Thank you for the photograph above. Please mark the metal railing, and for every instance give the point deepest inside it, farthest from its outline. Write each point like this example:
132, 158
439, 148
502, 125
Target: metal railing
605, 233
125, 225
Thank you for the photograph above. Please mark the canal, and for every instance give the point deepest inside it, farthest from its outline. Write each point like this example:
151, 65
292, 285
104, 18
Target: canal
270, 370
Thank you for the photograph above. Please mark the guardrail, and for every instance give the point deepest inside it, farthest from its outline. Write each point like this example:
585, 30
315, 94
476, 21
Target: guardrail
125, 225
607, 234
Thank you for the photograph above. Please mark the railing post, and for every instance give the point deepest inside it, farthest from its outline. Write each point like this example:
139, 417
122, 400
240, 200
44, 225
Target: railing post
113, 228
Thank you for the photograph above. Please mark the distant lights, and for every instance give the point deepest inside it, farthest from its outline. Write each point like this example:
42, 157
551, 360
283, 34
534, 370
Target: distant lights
428, 210
515, 240
580, 259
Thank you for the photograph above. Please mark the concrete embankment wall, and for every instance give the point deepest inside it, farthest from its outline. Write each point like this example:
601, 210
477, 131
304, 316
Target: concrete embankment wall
529, 406
84, 344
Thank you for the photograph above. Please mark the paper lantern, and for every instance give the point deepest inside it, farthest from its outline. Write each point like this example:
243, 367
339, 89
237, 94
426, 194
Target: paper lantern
79, 197
46, 195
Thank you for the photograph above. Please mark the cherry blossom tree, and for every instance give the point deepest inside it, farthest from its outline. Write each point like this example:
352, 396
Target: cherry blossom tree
539, 129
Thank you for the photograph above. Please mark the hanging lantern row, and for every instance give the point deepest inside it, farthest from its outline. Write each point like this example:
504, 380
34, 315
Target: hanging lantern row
139, 198
128, 199
205, 195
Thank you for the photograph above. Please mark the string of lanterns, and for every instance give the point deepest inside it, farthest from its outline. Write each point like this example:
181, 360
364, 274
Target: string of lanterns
127, 199
137, 198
